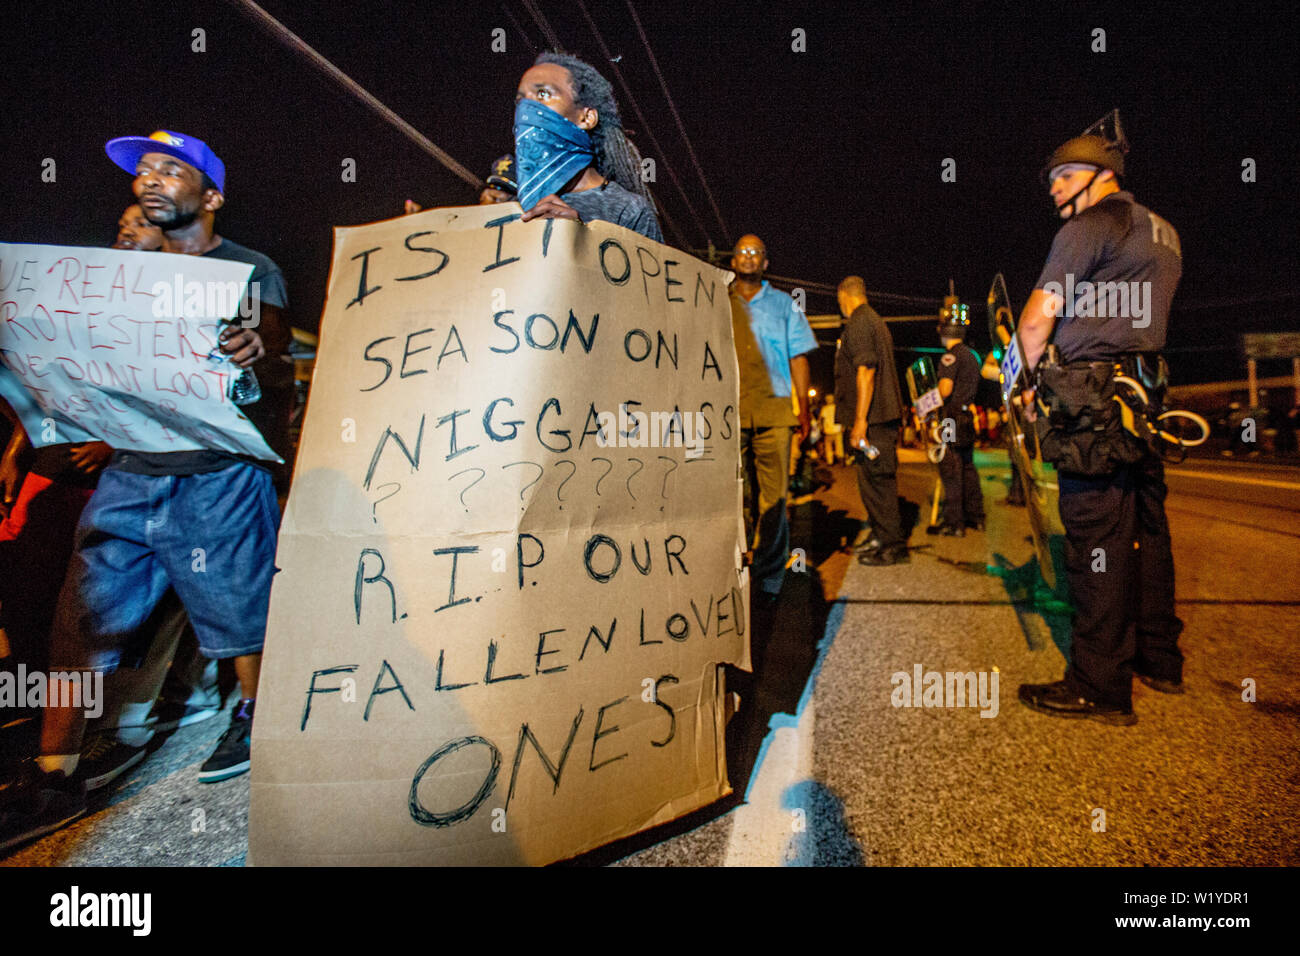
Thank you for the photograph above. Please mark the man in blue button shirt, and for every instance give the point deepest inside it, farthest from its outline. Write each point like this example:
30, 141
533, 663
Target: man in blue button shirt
773, 339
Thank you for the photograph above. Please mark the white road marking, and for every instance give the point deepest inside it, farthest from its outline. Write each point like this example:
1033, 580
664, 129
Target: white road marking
764, 827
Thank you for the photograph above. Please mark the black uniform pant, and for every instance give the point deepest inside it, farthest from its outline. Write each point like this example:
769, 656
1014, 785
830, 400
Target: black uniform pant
1121, 572
1016, 492
963, 501
878, 485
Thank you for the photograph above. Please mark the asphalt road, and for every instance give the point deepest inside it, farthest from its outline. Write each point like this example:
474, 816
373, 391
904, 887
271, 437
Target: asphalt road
828, 771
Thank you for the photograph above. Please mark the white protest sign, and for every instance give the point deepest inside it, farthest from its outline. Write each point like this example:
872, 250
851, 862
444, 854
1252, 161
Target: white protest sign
511, 558
115, 345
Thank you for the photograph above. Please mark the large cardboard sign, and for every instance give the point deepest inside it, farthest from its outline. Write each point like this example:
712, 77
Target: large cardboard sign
511, 558
117, 345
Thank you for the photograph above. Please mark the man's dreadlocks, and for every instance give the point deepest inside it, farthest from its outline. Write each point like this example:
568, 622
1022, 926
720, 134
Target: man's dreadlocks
616, 158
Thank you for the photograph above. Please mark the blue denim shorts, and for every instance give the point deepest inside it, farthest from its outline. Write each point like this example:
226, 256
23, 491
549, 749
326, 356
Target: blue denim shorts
210, 536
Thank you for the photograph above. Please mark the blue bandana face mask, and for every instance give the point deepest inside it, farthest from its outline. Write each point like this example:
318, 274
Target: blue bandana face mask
549, 151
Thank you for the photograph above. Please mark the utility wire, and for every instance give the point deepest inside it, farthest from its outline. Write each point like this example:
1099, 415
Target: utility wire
543, 24
511, 17
672, 227
645, 125
681, 128
282, 33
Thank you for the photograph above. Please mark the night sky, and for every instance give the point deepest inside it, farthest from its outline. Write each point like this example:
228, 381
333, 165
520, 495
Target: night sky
832, 155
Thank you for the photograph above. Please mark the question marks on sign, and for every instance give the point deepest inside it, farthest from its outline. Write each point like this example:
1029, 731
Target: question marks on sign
558, 491
531, 483
604, 476
389, 484
640, 466
663, 491
481, 474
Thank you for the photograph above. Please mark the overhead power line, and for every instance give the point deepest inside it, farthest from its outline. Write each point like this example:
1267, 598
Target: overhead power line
543, 24
645, 125
681, 127
515, 23
282, 33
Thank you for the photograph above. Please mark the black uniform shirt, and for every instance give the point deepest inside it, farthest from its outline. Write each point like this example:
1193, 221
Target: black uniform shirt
866, 341
962, 366
1117, 265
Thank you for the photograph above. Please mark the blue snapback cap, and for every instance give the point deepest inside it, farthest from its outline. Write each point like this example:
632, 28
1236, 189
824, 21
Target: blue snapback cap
126, 151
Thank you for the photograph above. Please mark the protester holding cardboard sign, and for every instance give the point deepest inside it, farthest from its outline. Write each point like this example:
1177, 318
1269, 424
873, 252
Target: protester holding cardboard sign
510, 558
572, 157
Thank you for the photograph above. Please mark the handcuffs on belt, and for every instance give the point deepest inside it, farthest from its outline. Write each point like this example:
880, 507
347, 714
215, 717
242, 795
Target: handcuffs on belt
1077, 394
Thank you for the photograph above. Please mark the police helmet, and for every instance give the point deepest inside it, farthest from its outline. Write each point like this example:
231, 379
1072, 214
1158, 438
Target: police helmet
954, 319
1091, 150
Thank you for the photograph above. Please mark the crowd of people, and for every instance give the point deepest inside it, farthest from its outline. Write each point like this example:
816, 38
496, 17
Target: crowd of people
102, 539
97, 543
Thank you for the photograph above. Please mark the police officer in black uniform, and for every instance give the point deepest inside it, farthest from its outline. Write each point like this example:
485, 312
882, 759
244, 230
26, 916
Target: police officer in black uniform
959, 378
1112, 489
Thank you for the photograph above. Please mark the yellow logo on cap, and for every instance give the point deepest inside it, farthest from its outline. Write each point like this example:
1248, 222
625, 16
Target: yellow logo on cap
163, 136
501, 167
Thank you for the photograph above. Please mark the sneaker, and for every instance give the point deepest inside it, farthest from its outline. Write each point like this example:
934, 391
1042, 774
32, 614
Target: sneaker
105, 759
35, 803
231, 756
1162, 685
1059, 700
975, 525
172, 715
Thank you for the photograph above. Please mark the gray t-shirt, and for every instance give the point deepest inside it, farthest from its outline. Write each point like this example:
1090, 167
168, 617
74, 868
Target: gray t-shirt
612, 203
271, 290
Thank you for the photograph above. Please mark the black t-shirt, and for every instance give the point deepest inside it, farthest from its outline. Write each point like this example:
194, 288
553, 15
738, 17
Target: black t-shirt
271, 290
865, 341
612, 203
1117, 265
55, 463
961, 365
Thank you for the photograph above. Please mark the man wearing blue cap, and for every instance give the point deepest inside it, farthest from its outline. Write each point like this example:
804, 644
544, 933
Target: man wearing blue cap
140, 531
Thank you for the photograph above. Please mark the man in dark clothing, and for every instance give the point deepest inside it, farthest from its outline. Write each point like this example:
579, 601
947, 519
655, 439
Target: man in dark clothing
869, 405
501, 185
1112, 490
42, 493
572, 157
959, 378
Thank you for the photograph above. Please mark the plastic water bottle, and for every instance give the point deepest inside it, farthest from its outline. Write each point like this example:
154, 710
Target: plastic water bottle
242, 387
